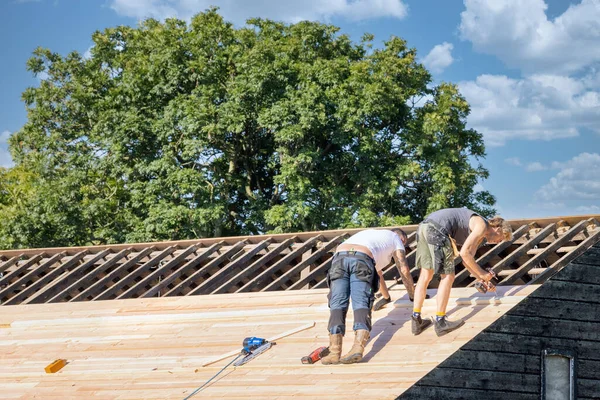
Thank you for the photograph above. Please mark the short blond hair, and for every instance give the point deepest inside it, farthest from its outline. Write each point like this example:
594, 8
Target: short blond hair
504, 224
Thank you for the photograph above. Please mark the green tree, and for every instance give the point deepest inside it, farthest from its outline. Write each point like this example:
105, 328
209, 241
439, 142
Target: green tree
174, 130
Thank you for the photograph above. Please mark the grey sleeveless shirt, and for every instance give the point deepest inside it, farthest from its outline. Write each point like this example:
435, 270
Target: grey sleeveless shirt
455, 221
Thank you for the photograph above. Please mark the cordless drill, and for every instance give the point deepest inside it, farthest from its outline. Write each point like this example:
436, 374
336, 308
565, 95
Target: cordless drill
315, 356
484, 287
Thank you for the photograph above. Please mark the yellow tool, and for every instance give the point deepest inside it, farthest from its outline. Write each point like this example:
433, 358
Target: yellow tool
55, 366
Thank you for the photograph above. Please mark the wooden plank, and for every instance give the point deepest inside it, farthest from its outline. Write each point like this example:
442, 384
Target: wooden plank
54, 273
488, 380
18, 284
50, 290
562, 250
565, 290
575, 272
522, 250
446, 393
277, 284
190, 265
264, 277
592, 256
583, 248
7, 264
522, 270
225, 287
560, 307
170, 264
271, 339
129, 278
204, 269
547, 327
45, 289
23, 267
86, 279
227, 271
98, 285
314, 273
494, 251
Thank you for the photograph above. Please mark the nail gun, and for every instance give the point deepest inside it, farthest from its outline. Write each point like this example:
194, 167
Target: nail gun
252, 347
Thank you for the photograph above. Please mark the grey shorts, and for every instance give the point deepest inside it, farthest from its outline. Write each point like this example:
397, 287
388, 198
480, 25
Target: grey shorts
434, 250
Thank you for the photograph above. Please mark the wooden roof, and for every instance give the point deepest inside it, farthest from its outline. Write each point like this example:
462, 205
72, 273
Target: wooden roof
154, 348
258, 263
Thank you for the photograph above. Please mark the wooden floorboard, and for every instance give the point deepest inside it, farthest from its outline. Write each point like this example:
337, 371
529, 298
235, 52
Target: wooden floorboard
153, 348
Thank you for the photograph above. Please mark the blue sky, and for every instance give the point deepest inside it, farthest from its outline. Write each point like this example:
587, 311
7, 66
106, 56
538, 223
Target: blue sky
530, 70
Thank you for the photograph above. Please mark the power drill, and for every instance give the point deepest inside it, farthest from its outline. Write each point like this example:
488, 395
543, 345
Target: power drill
484, 287
315, 355
252, 343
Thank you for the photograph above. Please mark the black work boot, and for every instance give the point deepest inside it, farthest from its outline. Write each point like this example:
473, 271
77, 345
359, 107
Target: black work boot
419, 325
381, 302
444, 326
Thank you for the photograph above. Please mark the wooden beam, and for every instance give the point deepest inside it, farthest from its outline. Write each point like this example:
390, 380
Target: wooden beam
23, 267
246, 272
43, 295
7, 264
190, 265
522, 270
204, 269
276, 284
130, 277
227, 271
18, 285
129, 293
522, 250
567, 258
84, 281
49, 277
494, 251
320, 269
100, 284
264, 277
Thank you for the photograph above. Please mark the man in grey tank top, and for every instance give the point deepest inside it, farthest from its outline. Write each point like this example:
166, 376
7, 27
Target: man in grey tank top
438, 238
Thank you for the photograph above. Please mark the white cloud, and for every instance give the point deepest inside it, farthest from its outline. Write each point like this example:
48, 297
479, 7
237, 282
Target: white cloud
538, 107
521, 35
578, 179
513, 161
588, 209
535, 167
439, 58
238, 11
5, 158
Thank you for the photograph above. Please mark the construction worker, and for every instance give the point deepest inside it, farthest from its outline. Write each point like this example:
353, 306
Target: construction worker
437, 239
353, 275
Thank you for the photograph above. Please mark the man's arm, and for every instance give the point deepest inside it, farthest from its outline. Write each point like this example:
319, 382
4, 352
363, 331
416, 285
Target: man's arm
404, 270
467, 252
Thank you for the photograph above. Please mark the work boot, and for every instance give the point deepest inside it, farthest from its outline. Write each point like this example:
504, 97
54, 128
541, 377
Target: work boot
361, 336
335, 349
419, 325
444, 326
381, 302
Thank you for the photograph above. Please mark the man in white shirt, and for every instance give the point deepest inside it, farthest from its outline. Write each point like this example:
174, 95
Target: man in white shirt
353, 275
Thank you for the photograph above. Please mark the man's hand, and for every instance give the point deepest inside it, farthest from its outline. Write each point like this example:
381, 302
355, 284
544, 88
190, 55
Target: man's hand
381, 303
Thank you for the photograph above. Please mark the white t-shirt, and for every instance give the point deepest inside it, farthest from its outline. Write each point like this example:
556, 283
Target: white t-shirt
381, 242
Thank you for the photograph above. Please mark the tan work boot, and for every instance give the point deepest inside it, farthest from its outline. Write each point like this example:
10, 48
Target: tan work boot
335, 349
356, 352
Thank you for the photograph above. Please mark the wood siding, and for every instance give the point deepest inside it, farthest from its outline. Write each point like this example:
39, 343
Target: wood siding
504, 361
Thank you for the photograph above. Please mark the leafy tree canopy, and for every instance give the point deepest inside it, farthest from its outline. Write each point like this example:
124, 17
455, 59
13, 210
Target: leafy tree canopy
174, 130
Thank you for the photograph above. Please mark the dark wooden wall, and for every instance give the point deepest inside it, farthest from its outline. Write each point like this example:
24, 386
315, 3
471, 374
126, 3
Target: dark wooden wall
504, 361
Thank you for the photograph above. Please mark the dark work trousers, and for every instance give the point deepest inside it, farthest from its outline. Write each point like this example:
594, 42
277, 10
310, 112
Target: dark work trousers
352, 276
